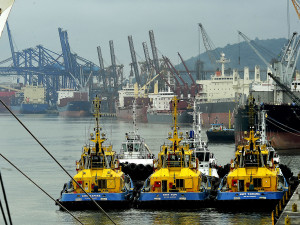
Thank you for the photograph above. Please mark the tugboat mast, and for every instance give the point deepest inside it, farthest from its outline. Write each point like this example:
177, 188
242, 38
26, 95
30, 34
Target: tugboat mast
175, 139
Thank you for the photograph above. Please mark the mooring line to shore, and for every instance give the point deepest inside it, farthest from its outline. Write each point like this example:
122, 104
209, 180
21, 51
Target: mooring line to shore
6, 203
57, 202
99, 207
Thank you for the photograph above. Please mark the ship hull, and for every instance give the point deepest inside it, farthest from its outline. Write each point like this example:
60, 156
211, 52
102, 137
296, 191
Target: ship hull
80, 201
31, 108
172, 200
220, 136
127, 112
282, 125
75, 109
167, 117
216, 112
251, 201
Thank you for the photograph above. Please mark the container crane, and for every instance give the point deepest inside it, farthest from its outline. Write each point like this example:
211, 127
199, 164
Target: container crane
154, 51
113, 65
102, 69
134, 61
147, 57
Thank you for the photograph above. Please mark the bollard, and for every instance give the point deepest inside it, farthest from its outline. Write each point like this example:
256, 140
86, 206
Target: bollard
276, 211
287, 220
290, 191
273, 219
286, 197
280, 208
294, 207
283, 200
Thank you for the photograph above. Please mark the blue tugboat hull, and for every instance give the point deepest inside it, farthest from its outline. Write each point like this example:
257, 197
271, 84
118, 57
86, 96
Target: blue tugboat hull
244, 196
80, 201
172, 200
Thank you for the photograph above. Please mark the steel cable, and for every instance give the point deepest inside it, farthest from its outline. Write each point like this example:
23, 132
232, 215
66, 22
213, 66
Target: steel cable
56, 160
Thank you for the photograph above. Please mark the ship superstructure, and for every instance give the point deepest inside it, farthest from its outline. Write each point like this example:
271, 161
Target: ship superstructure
220, 93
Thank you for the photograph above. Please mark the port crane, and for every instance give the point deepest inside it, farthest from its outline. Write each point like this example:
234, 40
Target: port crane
209, 47
286, 66
134, 61
296, 4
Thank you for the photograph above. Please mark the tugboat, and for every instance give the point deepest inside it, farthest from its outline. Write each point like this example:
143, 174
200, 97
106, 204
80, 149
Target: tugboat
254, 177
207, 160
99, 174
219, 133
135, 157
177, 182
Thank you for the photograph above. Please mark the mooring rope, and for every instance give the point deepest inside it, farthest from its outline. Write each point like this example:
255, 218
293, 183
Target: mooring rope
5, 199
283, 128
39, 187
3, 213
56, 161
283, 125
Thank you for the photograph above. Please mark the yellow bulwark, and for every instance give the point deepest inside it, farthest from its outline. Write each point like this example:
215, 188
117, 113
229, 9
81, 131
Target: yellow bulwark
253, 168
176, 167
98, 169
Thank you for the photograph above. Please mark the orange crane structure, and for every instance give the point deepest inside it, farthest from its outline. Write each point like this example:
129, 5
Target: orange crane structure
296, 4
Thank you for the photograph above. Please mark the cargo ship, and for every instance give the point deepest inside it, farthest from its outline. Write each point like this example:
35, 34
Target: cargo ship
220, 93
177, 182
124, 105
99, 176
34, 100
279, 96
73, 103
161, 109
6, 97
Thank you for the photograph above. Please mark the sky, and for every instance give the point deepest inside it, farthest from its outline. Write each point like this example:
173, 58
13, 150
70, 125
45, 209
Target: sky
92, 23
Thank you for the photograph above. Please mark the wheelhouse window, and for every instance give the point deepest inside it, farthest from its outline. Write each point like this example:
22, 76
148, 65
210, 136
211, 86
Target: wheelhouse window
97, 161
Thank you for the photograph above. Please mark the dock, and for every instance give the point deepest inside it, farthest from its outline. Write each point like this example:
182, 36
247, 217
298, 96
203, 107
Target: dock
291, 212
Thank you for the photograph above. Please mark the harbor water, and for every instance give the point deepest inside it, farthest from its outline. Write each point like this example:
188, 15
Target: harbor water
64, 138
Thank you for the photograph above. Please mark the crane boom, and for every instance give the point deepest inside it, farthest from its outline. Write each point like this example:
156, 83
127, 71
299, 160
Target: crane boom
11, 45
255, 50
288, 91
102, 69
154, 51
113, 63
176, 71
172, 72
187, 70
296, 4
209, 46
147, 57
134, 61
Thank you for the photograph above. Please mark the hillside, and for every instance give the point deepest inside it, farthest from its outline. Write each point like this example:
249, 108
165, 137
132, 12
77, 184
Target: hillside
269, 49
